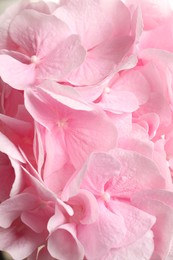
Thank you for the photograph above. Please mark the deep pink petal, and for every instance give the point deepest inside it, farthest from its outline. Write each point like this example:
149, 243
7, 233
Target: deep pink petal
7, 177
7, 147
19, 241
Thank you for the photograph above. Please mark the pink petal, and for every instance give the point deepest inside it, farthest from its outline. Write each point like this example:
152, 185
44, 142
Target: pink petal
12, 208
19, 241
152, 123
65, 94
107, 232
99, 169
116, 102
137, 140
163, 228
48, 39
36, 100
141, 249
131, 177
63, 59
15, 73
85, 207
83, 18
7, 177
119, 10
35, 31
102, 60
51, 167
32, 217
63, 244
87, 134
137, 222
7, 147
154, 13
93, 70
132, 81
43, 254
159, 105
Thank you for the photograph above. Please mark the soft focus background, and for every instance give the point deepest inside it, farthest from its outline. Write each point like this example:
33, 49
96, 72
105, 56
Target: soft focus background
5, 3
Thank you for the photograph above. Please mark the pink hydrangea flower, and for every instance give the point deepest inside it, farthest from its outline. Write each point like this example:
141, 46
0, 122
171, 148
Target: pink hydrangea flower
45, 42
86, 130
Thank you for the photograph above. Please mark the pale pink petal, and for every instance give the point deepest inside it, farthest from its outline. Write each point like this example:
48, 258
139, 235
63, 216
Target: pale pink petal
15, 73
93, 70
100, 168
84, 17
133, 81
153, 12
63, 243
153, 39
137, 222
112, 9
151, 122
92, 92
123, 123
85, 208
63, 59
115, 101
51, 167
159, 105
65, 94
48, 43
141, 249
107, 232
131, 177
12, 208
32, 217
137, 140
163, 228
101, 61
35, 31
87, 133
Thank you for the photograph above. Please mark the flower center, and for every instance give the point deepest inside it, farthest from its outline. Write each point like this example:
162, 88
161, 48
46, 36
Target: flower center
62, 123
106, 196
34, 59
107, 90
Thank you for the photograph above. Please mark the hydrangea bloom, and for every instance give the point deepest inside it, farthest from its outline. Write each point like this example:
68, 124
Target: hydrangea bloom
86, 130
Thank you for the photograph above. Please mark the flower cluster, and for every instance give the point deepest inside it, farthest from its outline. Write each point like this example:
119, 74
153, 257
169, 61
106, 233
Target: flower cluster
86, 130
